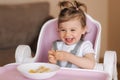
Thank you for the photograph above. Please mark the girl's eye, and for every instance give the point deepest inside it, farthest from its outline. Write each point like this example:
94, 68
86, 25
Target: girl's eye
72, 29
62, 30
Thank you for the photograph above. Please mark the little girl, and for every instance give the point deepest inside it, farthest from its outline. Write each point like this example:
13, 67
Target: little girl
71, 50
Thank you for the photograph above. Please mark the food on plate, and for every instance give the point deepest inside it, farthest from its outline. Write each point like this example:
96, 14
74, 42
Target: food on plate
41, 69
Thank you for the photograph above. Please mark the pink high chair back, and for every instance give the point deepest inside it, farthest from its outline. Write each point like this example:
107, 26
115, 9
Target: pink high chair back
49, 34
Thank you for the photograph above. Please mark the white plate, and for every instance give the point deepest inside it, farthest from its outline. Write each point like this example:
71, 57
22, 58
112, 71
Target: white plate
25, 68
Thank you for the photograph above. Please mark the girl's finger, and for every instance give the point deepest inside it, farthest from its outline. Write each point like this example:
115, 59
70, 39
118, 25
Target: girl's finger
52, 60
51, 52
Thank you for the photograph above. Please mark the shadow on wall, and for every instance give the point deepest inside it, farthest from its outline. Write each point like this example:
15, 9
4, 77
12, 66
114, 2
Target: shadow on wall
21, 23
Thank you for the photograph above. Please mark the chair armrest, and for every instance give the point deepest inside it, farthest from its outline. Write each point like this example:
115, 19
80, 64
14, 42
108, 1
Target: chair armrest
23, 54
110, 62
99, 66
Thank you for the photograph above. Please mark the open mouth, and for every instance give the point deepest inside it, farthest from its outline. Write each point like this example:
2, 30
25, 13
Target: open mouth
69, 40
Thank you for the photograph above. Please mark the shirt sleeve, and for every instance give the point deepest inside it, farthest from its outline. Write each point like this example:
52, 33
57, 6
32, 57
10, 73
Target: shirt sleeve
87, 48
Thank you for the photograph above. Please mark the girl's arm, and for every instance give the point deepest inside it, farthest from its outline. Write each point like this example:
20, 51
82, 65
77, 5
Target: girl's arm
86, 62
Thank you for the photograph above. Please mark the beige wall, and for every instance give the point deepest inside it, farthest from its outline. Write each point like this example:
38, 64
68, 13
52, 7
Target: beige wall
114, 27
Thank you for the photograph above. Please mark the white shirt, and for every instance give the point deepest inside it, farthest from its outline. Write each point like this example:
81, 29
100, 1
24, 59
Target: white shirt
85, 48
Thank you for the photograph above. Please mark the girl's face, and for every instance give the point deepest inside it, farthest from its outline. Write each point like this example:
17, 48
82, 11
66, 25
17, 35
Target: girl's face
70, 32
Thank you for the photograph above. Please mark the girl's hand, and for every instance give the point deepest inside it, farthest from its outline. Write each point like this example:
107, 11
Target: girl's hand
51, 57
61, 55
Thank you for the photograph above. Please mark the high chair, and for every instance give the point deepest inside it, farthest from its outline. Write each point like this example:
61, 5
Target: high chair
49, 34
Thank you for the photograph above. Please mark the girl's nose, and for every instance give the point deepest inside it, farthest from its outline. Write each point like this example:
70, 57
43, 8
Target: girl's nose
68, 33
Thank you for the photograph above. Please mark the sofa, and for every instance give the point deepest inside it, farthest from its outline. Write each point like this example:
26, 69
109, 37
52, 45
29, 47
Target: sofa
20, 23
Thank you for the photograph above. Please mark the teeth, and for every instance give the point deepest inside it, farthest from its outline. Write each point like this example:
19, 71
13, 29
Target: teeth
69, 39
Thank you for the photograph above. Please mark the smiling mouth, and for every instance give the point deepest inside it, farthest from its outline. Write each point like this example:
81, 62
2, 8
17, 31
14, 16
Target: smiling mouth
69, 40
